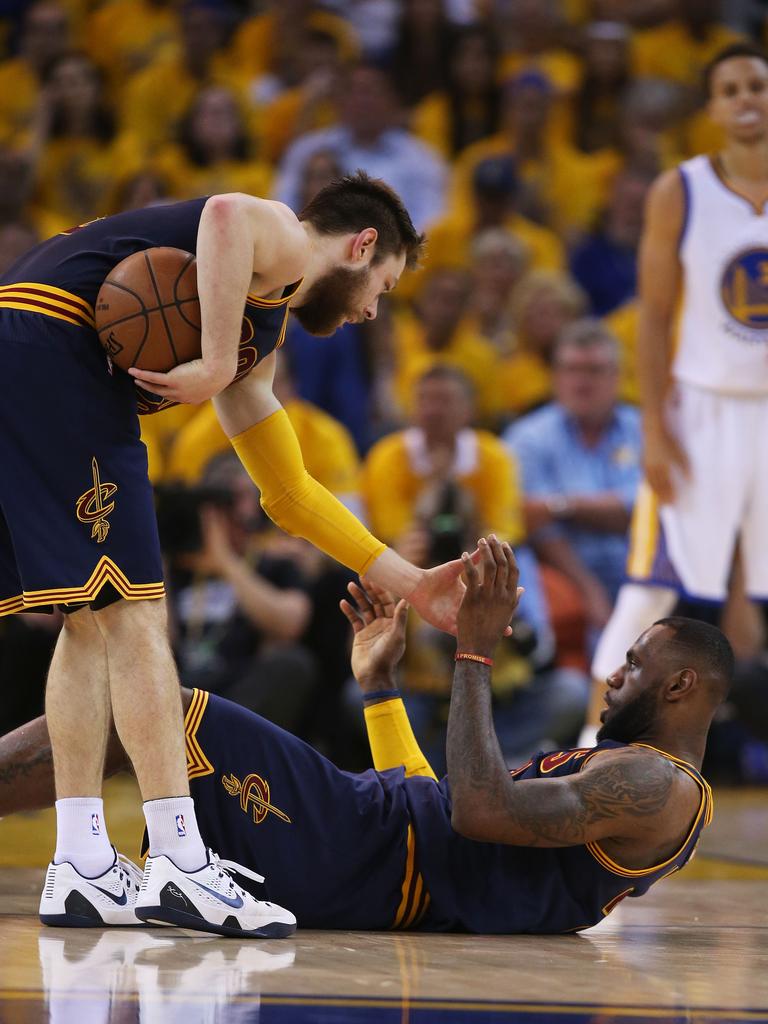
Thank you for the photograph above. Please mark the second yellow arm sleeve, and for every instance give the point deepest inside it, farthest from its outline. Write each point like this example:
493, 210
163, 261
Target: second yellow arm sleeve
392, 741
270, 452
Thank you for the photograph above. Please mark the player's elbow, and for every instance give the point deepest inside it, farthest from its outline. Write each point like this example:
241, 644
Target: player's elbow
226, 206
470, 820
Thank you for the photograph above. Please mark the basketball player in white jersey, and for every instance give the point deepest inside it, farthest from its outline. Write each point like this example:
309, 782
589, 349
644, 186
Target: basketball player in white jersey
703, 374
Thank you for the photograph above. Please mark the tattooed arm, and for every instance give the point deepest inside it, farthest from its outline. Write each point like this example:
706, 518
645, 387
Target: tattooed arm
625, 793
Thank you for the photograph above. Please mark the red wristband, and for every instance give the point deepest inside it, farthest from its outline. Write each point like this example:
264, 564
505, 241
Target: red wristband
464, 656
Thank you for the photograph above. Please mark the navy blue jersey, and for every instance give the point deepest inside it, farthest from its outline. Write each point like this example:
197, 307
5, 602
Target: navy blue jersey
376, 850
493, 887
78, 260
76, 505
61, 278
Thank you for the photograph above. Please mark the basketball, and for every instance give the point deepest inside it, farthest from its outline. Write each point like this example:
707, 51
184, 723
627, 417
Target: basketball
148, 312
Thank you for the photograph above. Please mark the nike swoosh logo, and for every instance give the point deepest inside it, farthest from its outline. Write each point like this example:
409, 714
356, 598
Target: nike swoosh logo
235, 903
119, 900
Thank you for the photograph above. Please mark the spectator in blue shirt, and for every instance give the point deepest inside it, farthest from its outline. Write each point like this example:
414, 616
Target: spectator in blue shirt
369, 136
605, 262
580, 462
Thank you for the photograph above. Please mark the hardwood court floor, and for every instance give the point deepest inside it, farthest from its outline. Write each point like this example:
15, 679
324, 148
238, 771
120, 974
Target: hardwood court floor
694, 950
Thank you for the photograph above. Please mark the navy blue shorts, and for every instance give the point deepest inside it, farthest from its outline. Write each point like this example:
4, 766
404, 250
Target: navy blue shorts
337, 849
76, 505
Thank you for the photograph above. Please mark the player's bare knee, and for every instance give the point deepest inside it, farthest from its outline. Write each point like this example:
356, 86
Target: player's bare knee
140, 621
81, 625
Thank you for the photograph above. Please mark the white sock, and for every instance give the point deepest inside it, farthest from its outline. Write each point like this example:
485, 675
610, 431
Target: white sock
81, 835
173, 832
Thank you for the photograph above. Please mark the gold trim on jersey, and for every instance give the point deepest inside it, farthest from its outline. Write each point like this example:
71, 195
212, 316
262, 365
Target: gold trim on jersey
198, 764
414, 896
643, 533
258, 300
48, 300
612, 904
106, 571
705, 808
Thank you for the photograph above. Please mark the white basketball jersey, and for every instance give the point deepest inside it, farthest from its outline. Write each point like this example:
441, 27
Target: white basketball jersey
723, 332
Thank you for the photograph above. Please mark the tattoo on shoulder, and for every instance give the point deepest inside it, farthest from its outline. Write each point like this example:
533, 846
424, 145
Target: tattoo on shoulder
627, 786
620, 789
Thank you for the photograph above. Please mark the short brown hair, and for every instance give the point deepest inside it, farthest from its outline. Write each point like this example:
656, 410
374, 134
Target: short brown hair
744, 49
358, 201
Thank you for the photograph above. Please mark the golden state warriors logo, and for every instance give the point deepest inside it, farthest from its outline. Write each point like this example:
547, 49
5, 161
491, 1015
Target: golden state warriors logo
254, 795
744, 289
94, 506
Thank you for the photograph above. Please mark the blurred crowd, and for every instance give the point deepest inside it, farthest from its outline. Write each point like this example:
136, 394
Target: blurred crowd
495, 391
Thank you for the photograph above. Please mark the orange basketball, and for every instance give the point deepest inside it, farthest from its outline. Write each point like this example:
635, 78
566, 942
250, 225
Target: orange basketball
148, 312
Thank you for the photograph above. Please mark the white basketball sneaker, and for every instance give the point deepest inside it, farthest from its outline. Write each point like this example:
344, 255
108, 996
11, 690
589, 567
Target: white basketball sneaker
208, 900
70, 900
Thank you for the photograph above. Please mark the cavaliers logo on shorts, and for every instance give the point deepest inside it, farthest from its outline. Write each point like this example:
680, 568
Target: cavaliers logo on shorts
254, 794
95, 505
744, 288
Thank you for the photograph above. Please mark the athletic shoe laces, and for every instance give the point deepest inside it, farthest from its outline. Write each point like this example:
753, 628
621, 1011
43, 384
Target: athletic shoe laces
127, 870
227, 867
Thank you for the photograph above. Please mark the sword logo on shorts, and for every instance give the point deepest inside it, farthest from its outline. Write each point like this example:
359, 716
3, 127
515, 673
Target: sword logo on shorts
254, 791
94, 506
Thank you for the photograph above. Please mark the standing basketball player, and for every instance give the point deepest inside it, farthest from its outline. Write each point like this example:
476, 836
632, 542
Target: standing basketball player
704, 381
77, 525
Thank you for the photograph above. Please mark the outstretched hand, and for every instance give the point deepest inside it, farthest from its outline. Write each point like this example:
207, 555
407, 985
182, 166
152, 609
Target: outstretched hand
379, 627
440, 592
490, 599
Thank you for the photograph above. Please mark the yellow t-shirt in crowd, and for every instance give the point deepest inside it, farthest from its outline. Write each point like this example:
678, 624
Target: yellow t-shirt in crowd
19, 92
123, 36
327, 447
154, 100
76, 176
255, 44
669, 51
186, 180
525, 381
571, 185
467, 351
391, 486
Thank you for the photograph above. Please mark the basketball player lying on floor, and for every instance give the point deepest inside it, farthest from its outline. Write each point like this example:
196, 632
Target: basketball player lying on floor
550, 847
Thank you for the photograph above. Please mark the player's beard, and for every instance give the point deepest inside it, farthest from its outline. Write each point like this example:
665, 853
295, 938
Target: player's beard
332, 299
634, 721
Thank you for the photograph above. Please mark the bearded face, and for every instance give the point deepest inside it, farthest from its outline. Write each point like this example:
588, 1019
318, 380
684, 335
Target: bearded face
334, 298
632, 721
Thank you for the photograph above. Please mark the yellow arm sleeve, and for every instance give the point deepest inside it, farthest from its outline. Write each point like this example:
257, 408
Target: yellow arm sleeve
392, 741
294, 500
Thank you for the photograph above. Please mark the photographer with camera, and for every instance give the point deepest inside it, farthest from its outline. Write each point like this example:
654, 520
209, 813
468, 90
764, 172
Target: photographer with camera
238, 612
430, 490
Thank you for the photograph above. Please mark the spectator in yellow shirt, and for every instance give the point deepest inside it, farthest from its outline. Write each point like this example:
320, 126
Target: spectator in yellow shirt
76, 147
560, 187
434, 332
125, 35
542, 305
265, 48
499, 261
404, 474
327, 447
312, 102
215, 152
495, 198
533, 35
44, 35
680, 49
154, 100
468, 106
